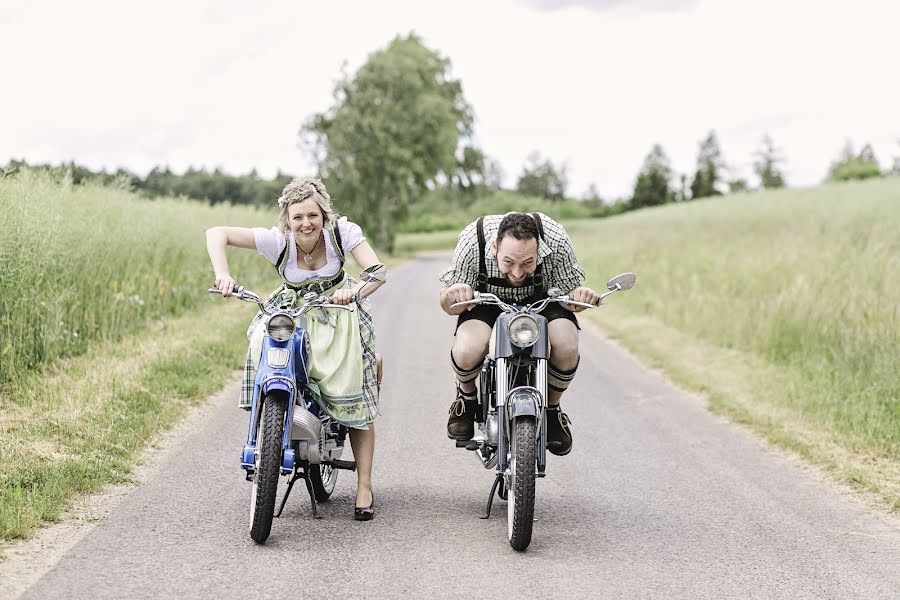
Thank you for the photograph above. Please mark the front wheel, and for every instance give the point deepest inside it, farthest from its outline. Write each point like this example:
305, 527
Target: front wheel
520, 506
268, 466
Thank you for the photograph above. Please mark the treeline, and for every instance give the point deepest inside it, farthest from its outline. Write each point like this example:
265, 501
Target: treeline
213, 187
657, 183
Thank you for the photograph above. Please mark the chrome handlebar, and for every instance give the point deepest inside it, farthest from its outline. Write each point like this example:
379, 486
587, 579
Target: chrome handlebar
313, 300
488, 298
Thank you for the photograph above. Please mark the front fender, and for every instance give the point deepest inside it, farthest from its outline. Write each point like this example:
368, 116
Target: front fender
524, 401
276, 382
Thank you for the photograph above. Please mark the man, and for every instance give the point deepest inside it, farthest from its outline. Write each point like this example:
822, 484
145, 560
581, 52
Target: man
518, 257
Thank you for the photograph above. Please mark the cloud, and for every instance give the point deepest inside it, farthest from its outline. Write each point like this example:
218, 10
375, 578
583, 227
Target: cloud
633, 6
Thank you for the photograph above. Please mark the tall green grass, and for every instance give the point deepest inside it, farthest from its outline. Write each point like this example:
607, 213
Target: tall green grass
81, 263
807, 281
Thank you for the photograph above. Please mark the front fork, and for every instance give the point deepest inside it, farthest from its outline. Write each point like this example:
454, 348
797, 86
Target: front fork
504, 426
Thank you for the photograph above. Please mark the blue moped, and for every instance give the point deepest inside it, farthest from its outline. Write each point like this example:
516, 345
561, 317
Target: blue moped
288, 433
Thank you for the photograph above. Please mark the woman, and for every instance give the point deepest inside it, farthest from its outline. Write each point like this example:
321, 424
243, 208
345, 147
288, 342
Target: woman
307, 248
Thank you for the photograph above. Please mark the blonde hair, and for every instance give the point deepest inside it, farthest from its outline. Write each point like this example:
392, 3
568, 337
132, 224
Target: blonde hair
299, 190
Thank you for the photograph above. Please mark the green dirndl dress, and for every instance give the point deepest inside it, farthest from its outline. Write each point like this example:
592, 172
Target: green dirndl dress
341, 346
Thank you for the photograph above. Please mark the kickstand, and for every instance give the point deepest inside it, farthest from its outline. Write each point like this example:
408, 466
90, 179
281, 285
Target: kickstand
497, 481
312, 496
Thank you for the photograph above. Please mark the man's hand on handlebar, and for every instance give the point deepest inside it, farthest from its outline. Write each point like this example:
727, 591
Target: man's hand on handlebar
458, 292
581, 294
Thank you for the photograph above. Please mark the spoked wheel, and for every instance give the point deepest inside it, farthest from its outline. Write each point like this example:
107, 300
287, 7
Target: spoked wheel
520, 505
268, 466
323, 478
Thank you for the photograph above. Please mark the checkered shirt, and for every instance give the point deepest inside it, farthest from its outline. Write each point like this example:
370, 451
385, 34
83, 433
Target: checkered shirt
555, 252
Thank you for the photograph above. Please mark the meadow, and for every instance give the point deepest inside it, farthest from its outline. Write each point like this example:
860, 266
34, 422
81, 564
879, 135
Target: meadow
106, 333
783, 307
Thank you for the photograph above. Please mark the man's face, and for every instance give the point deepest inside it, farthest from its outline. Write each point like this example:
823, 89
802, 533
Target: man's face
517, 259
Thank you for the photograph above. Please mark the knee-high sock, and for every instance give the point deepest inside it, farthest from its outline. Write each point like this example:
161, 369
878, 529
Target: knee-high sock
558, 380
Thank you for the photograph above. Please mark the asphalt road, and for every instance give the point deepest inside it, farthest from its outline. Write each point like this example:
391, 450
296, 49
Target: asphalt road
658, 499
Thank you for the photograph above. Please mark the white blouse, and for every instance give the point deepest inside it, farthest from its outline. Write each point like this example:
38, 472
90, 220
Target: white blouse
270, 243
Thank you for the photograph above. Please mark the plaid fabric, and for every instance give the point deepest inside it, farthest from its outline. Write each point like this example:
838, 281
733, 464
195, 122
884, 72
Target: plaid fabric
370, 371
288, 298
555, 252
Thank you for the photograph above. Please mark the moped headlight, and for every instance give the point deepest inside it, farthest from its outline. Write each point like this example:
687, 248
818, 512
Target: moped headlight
280, 328
523, 331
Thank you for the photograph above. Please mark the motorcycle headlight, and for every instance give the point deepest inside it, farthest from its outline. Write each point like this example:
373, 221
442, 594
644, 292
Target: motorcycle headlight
523, 331
280, 328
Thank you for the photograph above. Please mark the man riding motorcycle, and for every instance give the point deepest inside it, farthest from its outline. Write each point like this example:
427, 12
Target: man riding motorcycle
518, 257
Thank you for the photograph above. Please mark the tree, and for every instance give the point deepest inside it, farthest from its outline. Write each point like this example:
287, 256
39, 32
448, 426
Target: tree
766, 166
895, 170
396, 127
542, 179
592, 194
709, 168
850, 166
651, 187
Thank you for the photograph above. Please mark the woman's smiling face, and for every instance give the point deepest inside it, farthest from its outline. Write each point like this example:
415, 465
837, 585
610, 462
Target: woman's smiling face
305, 219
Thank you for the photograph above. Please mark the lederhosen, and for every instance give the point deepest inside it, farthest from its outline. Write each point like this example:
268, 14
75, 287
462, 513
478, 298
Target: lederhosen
558, 379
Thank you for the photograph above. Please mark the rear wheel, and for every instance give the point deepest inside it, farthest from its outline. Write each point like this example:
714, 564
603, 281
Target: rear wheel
520, 506
268, 466
323, 478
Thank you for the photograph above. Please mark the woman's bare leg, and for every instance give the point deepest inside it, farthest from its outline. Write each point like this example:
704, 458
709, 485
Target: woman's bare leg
363, 443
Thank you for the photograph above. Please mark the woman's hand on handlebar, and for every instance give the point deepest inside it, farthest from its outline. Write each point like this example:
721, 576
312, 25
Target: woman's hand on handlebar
225, 283
343, 296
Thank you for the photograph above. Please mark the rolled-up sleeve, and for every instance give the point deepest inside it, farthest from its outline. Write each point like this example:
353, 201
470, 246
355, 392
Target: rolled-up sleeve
464, 268
566, 273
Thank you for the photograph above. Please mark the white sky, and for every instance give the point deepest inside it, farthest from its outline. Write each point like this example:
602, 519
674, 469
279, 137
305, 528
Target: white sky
592, 83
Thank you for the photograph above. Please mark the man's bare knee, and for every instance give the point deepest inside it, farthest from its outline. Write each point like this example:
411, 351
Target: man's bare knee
471, 343
563, 343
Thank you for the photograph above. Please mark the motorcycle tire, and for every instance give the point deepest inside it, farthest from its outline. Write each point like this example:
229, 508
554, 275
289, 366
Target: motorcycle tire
520, 505
323, 478
268, 466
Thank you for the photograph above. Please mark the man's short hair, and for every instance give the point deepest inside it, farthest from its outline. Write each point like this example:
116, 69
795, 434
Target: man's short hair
518, 225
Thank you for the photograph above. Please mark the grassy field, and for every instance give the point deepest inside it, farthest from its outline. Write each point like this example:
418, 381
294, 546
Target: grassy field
106, 333
87, 263
782, 308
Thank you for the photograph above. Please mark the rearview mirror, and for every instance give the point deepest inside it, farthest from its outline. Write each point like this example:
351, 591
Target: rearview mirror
625, 281
374, 273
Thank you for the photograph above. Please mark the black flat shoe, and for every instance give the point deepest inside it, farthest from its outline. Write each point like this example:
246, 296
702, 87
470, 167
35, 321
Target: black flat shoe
364, 514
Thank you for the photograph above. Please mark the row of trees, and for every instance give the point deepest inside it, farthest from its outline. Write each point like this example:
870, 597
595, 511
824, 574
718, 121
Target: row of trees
657, 184
212, 186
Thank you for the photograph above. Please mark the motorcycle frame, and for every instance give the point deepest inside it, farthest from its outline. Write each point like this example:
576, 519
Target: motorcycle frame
291, 379
527, 400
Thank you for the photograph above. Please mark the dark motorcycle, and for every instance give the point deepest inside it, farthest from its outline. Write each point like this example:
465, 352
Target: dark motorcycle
511, 405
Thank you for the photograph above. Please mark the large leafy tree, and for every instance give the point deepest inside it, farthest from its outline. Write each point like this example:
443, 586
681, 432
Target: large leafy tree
397, 126
709, 168
652, 185
767, 164
542, 179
